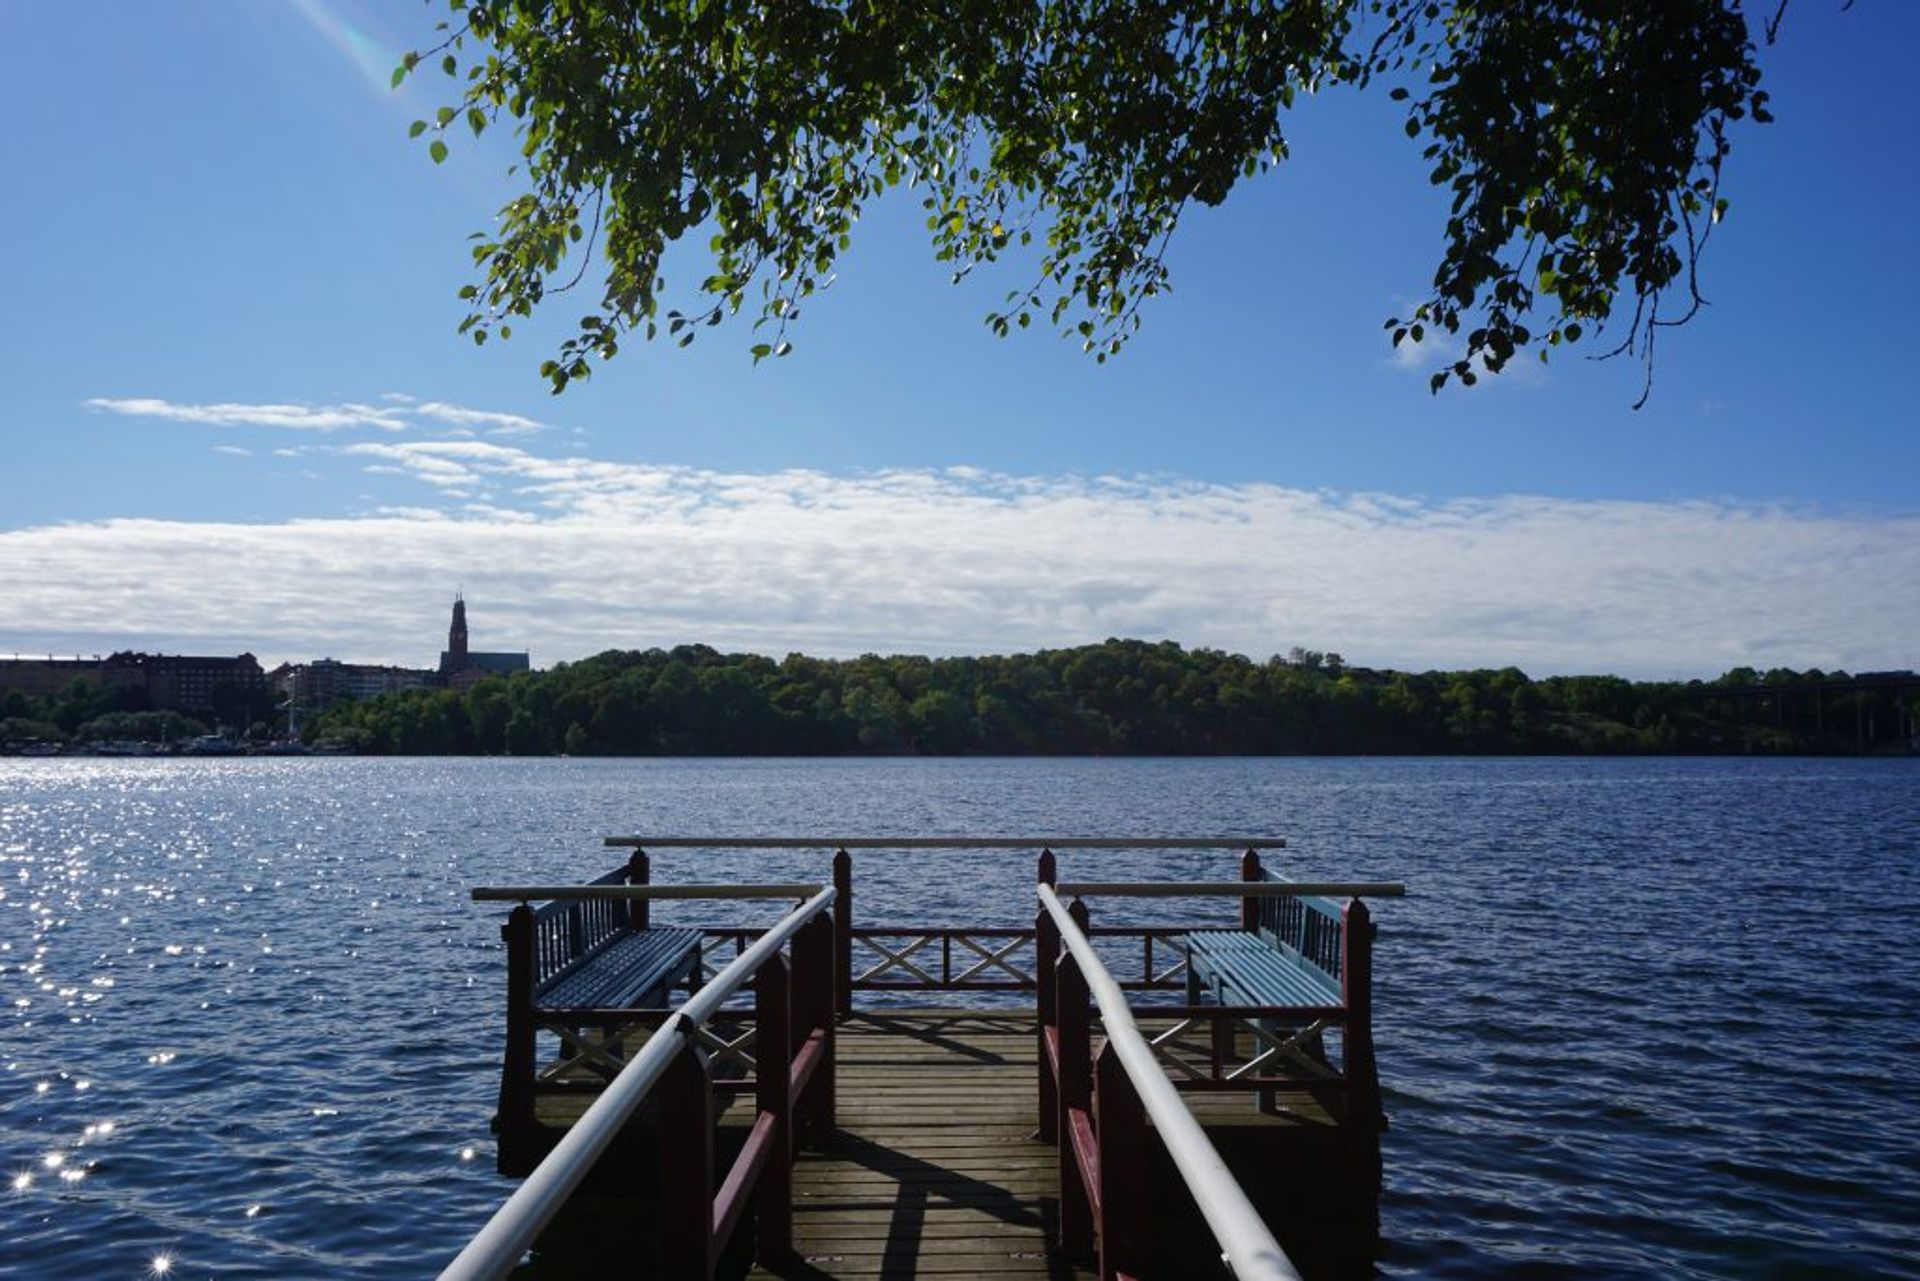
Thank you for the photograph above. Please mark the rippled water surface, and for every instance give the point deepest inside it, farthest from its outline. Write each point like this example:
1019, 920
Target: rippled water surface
1639, 1018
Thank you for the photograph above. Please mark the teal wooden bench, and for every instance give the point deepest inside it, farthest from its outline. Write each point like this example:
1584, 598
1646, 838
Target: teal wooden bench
1293, 956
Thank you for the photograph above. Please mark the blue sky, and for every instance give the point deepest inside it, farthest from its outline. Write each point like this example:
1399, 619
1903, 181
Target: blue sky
236, 413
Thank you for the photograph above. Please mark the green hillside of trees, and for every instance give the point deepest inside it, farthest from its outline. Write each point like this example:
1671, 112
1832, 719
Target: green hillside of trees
1122, 697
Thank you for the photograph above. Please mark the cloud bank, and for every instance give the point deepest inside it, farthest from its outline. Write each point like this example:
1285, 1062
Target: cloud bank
568, 556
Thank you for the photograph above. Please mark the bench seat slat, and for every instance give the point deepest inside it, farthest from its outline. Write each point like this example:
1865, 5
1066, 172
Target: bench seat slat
629, 969
1249, 968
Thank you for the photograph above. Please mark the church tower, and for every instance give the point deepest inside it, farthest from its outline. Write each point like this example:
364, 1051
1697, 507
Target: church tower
461, 667
455, 659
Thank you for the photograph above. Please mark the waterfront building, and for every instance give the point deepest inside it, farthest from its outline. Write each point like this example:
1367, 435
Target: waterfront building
170, 682
325, 681
40, 677
189, 682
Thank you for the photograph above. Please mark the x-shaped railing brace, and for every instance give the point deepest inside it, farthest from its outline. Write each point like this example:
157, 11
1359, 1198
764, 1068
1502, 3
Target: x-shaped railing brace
1287, 1049
576, 1051
992, 958
898, 960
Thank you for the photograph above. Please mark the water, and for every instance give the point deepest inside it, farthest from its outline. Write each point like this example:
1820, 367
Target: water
1639, 1018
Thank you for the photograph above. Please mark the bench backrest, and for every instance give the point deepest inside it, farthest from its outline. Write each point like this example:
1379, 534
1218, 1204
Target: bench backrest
1307, 929
567, 934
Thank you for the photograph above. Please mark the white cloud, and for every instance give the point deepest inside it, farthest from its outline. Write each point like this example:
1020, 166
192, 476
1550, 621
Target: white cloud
293, 417
233, 451
494, 424
399, 413
567, 556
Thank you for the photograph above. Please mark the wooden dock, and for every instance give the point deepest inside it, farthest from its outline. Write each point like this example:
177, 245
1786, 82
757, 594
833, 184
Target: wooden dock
943, 1125
935, 1168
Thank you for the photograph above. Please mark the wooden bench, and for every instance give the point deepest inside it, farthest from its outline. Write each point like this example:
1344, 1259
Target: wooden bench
636, 969
592, 954
1292, 953
572, 965
1305, 964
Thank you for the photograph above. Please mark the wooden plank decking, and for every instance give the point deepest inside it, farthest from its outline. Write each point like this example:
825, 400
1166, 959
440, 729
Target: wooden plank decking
935, 1171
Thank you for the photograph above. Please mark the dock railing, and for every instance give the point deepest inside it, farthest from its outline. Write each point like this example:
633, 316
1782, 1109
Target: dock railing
922, 958
1094, 1106
793, 1091
1100, 1123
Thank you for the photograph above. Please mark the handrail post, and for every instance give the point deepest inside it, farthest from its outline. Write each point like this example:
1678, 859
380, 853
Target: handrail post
814, 954
1250, 906
517, 1072
1075, 1094
1366, 1112
773, 1028
1223, 1032
1046, 955
686, 1165
1120, 1122
639, 872
843, 930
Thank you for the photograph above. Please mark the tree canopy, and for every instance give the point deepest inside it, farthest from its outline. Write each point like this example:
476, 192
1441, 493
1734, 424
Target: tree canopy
1121, 697
1582, 142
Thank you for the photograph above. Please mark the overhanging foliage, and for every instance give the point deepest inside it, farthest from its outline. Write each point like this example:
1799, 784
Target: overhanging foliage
1582, 142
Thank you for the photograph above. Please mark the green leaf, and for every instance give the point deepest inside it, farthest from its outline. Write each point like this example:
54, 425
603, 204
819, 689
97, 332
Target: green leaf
438, 151
417, 128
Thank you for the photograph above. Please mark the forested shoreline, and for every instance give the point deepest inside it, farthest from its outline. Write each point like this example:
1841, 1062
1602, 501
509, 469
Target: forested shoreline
1121, 697
1117, 698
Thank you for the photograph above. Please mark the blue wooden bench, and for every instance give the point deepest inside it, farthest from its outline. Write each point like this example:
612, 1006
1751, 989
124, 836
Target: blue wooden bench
588, 955
572, 966
1293, 955
1305, 964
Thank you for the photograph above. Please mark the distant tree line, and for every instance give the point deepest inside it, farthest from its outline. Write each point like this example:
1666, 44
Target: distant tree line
1122, 697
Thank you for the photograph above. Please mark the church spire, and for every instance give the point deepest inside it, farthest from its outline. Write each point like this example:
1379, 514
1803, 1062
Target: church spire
456, 657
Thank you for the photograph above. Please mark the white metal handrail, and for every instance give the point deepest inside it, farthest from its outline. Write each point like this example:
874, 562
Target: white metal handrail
1247, 1245
1238, 889
497, 1247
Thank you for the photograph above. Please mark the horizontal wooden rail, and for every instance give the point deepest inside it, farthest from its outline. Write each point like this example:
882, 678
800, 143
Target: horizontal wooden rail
1238, 889
947, 842
557, 893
